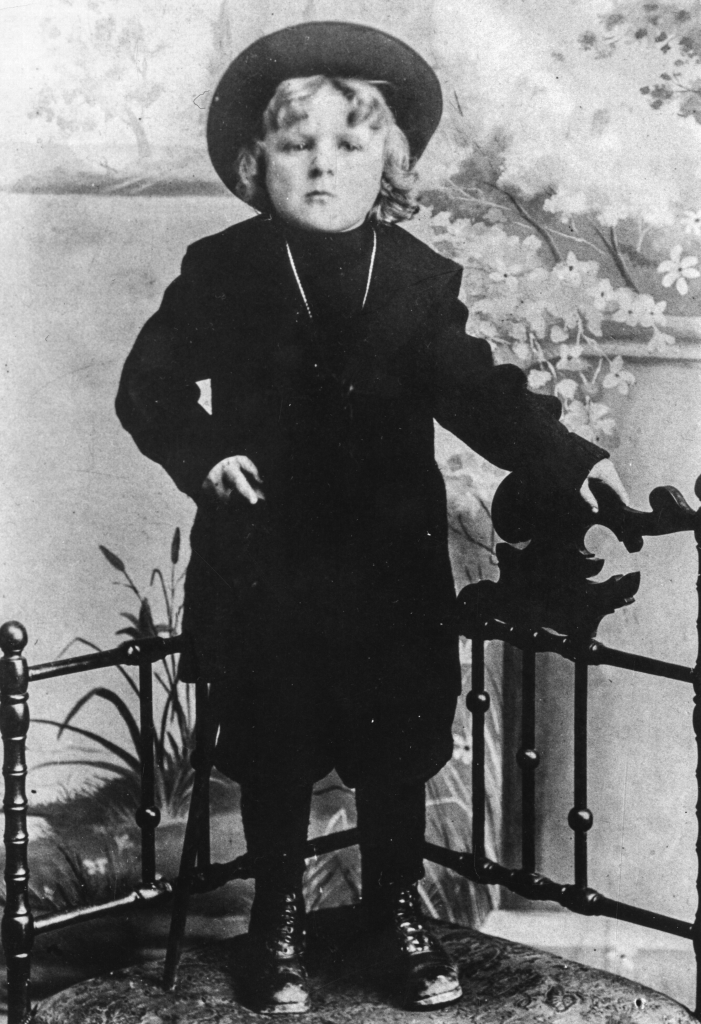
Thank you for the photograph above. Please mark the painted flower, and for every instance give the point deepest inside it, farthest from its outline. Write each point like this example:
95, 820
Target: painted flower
601, 421
441, 221
577, 419
461, 749
602, 293
522, 351
566, 389
532, 242
649, 311
627, 312
482, 327
533, 313
505, 273
594, 321
537, 276
123, 842
493, 215
618, 377
572, 270
691, 222
570, 358
678, 270
473, 282
558, 335
591, 420
538, 379
659, 341
98, 866
638, 310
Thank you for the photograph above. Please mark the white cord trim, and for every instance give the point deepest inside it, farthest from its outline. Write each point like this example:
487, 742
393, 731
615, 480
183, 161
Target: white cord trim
299, 283
372, 267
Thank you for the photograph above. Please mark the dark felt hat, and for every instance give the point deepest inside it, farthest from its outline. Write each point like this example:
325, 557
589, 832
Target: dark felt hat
337, 49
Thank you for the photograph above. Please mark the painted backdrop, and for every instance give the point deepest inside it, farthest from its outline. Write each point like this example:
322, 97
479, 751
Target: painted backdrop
565, 178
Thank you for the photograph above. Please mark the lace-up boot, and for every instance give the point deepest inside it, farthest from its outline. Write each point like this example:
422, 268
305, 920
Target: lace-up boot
427, 976
277, 981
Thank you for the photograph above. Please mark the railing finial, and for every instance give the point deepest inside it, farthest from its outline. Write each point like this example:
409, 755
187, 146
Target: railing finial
13, 639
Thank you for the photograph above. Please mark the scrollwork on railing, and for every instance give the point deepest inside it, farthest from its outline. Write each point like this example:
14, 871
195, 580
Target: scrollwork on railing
548, 583
545, 600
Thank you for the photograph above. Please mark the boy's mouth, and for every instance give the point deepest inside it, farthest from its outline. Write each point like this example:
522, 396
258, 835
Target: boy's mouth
319, 193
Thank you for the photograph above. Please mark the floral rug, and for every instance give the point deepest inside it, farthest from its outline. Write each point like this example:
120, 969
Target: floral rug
504, 983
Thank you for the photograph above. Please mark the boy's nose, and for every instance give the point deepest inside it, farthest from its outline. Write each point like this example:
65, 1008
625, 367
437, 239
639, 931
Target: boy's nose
323, 162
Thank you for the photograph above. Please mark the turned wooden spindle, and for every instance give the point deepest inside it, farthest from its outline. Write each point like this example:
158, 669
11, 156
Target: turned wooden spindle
148, 815
696, 719
17, 921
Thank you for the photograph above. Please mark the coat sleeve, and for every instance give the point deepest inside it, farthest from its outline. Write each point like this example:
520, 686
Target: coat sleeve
490, 407
158, 397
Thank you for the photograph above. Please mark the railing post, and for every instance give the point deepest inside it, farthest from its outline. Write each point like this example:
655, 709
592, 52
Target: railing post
203, 729
17, 921
528, 760
148, 815
697, 734
580, 818
196, 843
478, 705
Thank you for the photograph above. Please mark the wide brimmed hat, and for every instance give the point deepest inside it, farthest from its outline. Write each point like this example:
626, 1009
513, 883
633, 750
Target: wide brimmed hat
337, 49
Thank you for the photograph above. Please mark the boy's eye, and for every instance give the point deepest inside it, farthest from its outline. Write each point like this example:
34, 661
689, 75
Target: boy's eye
351, 147
295, 147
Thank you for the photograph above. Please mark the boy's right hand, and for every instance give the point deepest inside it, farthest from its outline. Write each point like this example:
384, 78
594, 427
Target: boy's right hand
235, 475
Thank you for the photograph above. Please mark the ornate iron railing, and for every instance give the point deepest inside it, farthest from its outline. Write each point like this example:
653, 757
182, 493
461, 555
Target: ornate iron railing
543, 601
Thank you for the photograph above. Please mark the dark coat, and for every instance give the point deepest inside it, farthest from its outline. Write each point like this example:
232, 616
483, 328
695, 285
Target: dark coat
348, 554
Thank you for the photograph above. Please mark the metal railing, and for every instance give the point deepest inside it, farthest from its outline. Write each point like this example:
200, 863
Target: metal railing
542, 602
19, 927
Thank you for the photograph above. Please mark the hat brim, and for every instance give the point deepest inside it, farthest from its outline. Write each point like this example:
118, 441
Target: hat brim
336, 49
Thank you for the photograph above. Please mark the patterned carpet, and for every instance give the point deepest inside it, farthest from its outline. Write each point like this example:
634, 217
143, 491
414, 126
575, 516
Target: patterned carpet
504, 983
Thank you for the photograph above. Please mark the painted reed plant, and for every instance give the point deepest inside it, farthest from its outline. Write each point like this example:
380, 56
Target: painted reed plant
174, 727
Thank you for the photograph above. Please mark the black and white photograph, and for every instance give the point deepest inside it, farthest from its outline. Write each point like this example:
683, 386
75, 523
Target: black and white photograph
350, 540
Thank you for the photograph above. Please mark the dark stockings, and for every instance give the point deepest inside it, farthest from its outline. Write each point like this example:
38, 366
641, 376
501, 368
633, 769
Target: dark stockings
275, 820
391, 819
392, 822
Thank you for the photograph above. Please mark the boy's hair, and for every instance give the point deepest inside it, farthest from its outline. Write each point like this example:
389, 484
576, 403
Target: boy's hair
366, 105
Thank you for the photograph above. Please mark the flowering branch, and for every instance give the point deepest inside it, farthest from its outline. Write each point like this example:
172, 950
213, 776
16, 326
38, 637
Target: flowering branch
579, 239
611, 244
535, 225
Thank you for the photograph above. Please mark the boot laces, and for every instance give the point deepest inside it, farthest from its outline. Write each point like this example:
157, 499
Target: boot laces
409, 924
285, 935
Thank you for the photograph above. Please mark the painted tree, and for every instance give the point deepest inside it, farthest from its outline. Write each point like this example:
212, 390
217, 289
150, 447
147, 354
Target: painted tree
674, 31
103, 71
572, 195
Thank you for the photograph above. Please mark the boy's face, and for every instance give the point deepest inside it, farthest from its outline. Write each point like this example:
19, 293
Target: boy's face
321, 174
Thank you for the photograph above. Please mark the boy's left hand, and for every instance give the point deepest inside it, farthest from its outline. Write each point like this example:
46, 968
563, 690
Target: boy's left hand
606, 472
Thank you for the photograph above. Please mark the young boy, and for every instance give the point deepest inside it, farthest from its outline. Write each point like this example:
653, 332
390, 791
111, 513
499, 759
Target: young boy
319, 594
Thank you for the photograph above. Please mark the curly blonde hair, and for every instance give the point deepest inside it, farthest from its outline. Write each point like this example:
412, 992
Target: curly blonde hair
396, 200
